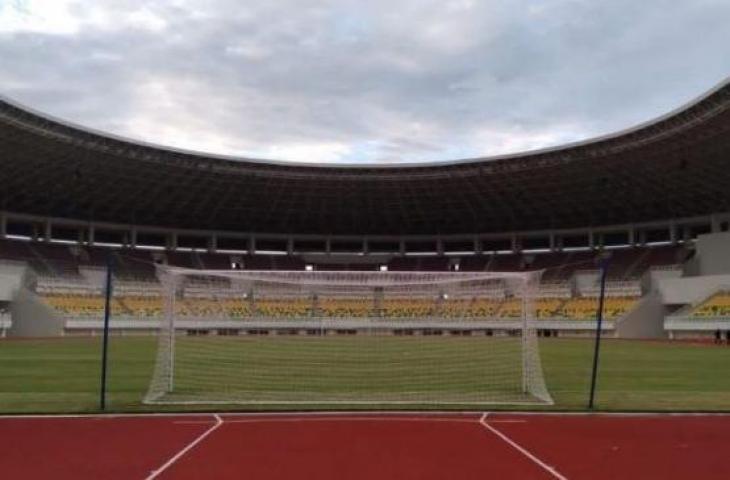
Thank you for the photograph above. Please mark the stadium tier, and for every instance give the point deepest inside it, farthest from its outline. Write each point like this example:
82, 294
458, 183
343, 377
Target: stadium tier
69, 279
541, 200
718, 305
471, 307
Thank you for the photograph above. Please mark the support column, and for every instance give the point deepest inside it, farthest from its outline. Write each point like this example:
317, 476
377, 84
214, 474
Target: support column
47, 231
90, 238
212, 243
251, 245
172, 241
3, 225
673, 233
715, 224
516, 248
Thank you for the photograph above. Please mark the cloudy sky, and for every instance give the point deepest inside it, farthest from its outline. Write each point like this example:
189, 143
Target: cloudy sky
356, 81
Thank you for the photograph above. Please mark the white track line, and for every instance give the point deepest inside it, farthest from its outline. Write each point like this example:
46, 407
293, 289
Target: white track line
340, 419
521, 449
384, 413
176, 457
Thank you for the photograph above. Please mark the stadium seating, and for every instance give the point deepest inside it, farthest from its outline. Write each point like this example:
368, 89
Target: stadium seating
581, 308
142, 306
63, 269
345, 307
718, 305
150, 306
284, 307
80, 305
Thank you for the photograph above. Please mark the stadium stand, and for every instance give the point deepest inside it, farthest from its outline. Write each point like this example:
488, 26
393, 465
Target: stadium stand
718, 305
581, 308
62, 284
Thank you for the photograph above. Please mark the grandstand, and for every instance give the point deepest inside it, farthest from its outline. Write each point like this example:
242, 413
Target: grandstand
664, 239
717, 305
75, 291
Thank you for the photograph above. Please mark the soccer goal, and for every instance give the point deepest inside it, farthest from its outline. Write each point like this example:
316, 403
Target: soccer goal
315, 338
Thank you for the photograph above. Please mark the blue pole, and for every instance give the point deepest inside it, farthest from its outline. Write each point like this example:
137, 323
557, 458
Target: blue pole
105, 344
599, 324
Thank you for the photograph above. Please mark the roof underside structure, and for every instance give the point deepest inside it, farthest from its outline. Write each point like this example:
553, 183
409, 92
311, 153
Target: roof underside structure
673, 167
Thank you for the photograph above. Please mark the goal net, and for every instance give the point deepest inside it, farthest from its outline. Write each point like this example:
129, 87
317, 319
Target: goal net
349, 338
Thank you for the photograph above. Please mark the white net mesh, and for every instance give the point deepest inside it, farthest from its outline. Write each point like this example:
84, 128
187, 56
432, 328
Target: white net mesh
322, 338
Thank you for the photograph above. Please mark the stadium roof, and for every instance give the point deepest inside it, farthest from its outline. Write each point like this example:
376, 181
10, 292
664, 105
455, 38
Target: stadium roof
675, 166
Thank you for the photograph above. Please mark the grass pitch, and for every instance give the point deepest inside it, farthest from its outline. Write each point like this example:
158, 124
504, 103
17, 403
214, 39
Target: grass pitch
62, 375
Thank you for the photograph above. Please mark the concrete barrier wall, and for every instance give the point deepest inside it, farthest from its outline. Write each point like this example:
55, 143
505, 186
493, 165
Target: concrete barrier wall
690, 290
713, 253
11, 278
646, 320
33, 318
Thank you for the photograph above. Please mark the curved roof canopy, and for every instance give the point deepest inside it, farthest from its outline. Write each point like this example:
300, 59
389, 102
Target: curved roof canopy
672, 167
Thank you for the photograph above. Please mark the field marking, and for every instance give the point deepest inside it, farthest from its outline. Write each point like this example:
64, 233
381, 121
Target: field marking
339, 418
521, 449
186, 449
383, 413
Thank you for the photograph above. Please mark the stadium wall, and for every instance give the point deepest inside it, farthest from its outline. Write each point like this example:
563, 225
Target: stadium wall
690, 290
646, 320
21, 226
713, 254
11, 278
31, 317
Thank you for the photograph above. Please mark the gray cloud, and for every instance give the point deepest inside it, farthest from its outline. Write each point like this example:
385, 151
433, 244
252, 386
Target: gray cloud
340, 81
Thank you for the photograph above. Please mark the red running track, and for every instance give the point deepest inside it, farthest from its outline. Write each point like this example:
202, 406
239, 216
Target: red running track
357, 446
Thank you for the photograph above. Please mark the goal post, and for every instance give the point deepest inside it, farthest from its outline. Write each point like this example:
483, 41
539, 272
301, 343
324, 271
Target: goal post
316, 338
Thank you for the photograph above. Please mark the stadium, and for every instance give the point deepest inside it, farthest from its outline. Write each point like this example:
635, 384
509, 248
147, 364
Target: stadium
242, 284
71, 196
559, 312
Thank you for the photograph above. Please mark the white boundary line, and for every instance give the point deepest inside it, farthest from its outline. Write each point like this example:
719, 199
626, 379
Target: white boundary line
381, 413
304, 413
344, 419
519, 448
176, 457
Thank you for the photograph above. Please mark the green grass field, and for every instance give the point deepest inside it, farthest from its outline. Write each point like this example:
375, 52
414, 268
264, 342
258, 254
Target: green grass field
62, 375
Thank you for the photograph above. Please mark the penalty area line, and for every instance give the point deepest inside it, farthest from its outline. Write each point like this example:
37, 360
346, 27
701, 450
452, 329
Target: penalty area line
155, 473
520, 448
339, 419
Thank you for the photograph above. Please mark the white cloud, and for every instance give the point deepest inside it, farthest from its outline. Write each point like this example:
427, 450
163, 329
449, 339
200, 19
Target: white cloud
70, 17
40, 16
385, 81
327, 152
145, 19
252, 51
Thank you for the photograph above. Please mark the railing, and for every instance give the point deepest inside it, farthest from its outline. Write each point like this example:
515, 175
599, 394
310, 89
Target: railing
689, 323
311, 323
